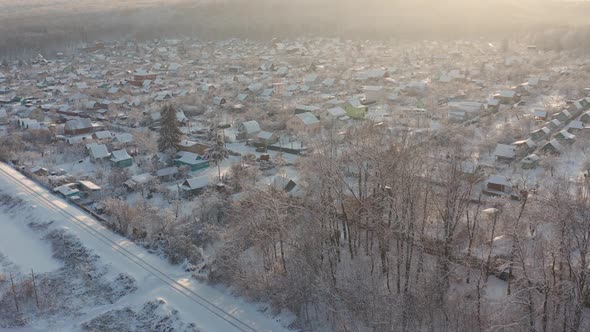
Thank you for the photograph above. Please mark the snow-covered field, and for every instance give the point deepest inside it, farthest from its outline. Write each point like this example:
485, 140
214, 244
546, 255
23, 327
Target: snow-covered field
89, 278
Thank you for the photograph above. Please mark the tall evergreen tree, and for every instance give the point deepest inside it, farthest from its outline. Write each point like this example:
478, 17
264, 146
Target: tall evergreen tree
217, 153
169, 133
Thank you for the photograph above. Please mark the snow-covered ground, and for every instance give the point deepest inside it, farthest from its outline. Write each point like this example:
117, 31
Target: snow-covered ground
162, 290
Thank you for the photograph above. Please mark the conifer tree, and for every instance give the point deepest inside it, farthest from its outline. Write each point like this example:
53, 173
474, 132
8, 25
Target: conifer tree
170, 134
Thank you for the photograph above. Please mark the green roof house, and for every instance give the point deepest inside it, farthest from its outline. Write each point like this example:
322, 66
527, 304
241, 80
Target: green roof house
121, 159
193, 160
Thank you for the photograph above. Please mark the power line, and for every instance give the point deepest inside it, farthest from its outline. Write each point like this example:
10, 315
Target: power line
211, 307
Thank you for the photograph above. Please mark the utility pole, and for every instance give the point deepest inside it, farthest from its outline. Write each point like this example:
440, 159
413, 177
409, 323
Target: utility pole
35, 289
14, 292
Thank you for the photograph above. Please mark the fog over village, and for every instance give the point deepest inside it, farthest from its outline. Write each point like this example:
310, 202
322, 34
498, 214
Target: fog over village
303, 165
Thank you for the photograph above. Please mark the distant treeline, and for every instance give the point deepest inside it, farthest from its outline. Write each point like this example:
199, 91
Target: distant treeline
554, 27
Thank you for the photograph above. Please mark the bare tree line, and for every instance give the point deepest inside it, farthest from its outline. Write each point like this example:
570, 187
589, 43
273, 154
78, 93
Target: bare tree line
374, 243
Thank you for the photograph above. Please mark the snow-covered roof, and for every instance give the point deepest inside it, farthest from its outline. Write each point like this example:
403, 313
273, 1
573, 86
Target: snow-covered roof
337, 111
103, 134
507, 93
265, 135
251, 127
124, 137
499, 179
142, 178
531, 158
120, 155
167, 171
89, 185
505, 151
189, 158
565, 134
98, 151
540, 113
555, 144
307, 118
576, 125
529, 142
196, 183
66, 190
80, 123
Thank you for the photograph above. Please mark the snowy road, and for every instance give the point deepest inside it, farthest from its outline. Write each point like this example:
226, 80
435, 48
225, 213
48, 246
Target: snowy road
210, 308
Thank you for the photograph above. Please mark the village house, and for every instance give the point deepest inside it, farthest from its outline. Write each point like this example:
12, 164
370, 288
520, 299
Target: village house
576, 126
530, 161
266, 138
78, 126
140, 76
123, 138
103, 135
139, 181
552, 147
193, 161
98, 152
89, 189
193, 147
564, 116
585, 117
67, 191
167, 174
505, 153
553, 124
248, 129
524, 147
498, 185
39, 171
463, 110
507, 97
565, 137
195, 186
540, 115
121, 158
336, 113
304, 123
540, 134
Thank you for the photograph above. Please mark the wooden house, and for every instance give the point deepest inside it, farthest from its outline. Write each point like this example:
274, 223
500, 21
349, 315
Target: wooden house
98, 152
121, 158
195, 186
540, 134
194, 161
552, 147
78, 126
505, 153
248, 129
193, 147
530, 161
498, 185
304, 123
